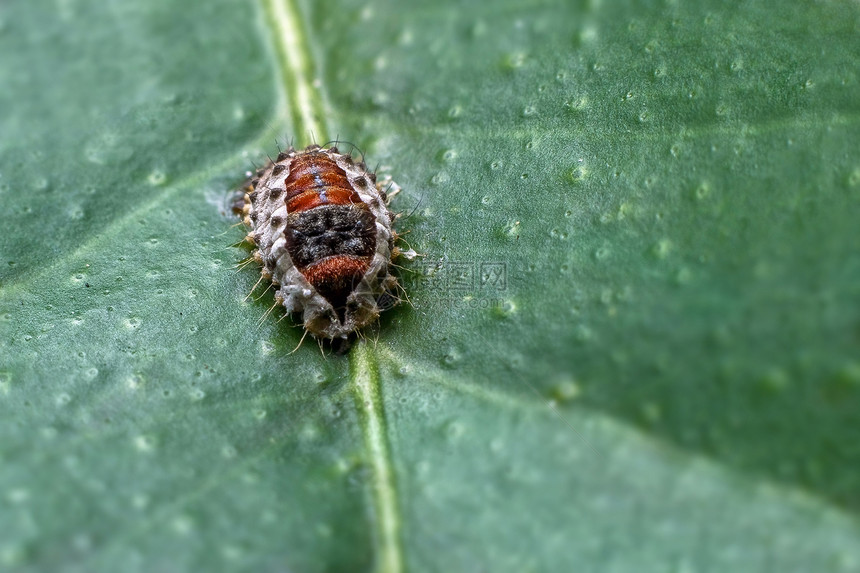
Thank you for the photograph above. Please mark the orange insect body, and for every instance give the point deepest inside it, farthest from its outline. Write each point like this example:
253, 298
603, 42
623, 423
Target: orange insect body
324, 235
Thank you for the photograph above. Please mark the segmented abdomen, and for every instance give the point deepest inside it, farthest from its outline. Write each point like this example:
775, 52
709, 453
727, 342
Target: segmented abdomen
330, 232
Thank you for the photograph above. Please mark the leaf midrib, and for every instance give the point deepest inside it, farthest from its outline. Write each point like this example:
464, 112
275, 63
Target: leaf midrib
305, 101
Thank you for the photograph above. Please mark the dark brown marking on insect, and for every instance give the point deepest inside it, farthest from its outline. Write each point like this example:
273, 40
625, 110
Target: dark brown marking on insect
332, 246
336, 277
328, 231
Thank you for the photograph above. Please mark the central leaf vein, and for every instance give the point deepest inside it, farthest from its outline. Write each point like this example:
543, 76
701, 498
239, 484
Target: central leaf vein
307, 110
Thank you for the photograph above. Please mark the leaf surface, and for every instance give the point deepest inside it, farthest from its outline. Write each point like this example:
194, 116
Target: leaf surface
632, 339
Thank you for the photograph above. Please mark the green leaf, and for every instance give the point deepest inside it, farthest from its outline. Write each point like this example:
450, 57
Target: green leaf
632, 343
